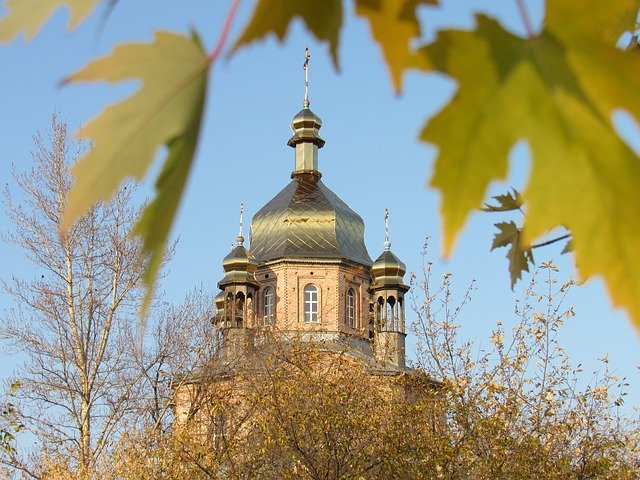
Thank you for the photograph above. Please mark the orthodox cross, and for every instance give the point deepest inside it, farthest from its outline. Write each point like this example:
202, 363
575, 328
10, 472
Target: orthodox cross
240, 237
307, 57
386, 224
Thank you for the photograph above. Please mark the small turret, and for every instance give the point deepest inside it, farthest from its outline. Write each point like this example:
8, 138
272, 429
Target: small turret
235, 302
388, 291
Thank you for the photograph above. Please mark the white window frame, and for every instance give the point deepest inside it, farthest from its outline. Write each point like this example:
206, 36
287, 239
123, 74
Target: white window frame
269, 306
351, 307
311, 303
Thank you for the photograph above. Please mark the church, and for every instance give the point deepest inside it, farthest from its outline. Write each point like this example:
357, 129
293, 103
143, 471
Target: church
307, 272
306, 277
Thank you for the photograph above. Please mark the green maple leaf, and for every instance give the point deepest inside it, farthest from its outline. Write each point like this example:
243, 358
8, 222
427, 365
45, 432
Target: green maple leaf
506, 203
322, 18
558, 91
393, 25
29, 16
519, 258
125, 137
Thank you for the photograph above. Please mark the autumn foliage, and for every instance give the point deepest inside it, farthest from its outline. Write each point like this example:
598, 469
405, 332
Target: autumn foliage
516, 410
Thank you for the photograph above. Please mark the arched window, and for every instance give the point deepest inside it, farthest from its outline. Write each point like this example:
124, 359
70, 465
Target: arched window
228, 308
310, 303
390, 313
269, 306
249, 308
379, 310
239, 314
351, 308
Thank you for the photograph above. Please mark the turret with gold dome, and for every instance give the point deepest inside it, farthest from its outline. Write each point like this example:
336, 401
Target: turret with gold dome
388, 290
236, 301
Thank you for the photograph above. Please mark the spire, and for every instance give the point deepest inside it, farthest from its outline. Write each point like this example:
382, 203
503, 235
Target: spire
387, 243
240, 237
306, 131
307, 57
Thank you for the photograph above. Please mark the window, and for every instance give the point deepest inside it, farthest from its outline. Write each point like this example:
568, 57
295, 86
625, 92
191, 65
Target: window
239, 314
217, 430
379, 310
228, 307
310, 303
269, 306
351, 308
391, 309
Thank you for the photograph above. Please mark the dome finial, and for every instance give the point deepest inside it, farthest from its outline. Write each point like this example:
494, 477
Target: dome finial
307, 57
306, 131
387, 243
240, 237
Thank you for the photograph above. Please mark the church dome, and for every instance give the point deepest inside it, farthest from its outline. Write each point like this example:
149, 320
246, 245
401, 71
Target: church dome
307, 220
239, 267
388, 270
305, 126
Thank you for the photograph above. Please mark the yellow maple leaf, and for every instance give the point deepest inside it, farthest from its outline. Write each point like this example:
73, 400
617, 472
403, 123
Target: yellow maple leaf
508, 235
322, 18
394, 25
29, 16
126, 136
558, 91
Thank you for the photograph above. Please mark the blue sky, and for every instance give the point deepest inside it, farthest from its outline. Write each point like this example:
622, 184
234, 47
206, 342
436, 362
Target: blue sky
372, 157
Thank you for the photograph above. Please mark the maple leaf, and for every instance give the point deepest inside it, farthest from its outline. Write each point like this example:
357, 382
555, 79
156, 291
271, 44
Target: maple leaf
507, 202
393, 25
29, 16
323, 19
519, 258
558, 91
167, 110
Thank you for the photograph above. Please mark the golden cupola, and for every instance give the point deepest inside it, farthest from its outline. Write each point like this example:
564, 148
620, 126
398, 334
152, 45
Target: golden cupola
239, 267
306, 219
388, 269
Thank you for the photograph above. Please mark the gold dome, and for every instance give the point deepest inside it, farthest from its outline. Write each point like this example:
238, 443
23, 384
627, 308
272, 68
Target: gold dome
239, 267
388, 270
306, 220
305, 126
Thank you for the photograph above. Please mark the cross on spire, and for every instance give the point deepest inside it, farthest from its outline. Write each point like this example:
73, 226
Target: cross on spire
307, 57
387, 243
386, 224
240, 237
